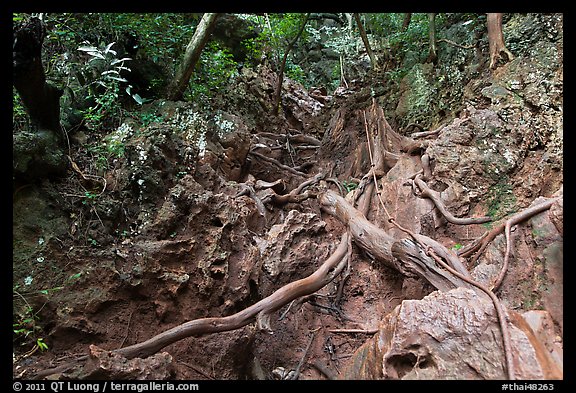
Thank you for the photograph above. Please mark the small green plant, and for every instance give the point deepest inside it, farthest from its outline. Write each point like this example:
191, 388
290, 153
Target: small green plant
20, 119
148, 118
110, 149
124, 234
104, 90
349, 186
457, 246
41, 344
500, 199
89, 197
295, 72
24, 325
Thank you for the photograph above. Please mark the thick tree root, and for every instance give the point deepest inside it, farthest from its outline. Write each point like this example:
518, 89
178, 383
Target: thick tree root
434, 196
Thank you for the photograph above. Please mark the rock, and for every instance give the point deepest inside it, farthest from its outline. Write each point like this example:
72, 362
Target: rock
541, 323
417, 94
36, 155
287, 240
446, 335
103, 364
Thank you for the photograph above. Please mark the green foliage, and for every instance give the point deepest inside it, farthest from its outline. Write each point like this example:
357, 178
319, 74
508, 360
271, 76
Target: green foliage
41, 344
89, 197
349, 186
295, 72
276, 32
107, 71
107, 150
20, 118
500, 199
25, 329
148, 118
162, 37
215, 69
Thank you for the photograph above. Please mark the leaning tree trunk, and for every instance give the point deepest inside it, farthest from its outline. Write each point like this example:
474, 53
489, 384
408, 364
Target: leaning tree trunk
38, 151
366, 42
496, 40
278, 92
191, 56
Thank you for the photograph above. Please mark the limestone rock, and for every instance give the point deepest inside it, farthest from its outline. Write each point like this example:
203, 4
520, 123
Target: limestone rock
446, 335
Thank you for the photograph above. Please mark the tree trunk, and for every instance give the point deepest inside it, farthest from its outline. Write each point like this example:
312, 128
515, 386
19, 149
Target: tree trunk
37, 152
496, 39
433, 54
366, 42
42, 100
283, 66
191, 56
406, 22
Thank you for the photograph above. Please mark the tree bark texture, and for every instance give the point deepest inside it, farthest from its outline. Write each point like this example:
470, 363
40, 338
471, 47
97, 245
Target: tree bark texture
496, 40
366, 42
278, 92
433, 52
41, 99
191, 56
406, 21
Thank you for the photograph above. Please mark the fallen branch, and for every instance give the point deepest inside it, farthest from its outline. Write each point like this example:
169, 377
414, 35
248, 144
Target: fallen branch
296, 374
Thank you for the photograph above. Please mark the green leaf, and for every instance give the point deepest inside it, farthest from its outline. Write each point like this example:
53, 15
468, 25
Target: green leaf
88, 49
75, 276
108, 48
116, 61
117, 79
41, 344
137, 98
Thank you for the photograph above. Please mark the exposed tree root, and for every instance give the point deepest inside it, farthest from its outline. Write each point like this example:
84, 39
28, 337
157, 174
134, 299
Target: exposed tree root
260, 310
515, 219
414, 255
477, 247
278, 164
434, 196
324, 370
298, 138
